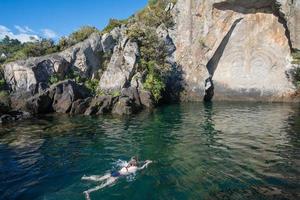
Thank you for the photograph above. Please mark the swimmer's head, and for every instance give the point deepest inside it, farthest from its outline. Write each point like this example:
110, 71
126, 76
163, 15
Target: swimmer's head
133, 161
134, 158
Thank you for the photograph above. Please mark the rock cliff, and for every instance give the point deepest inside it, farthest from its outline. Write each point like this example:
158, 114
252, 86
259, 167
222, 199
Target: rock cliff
245, 46
220, 49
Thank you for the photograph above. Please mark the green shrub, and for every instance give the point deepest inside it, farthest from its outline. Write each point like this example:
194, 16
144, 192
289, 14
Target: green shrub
53, 79
154, 81
155, 85
154, 14
152, 58
2, 84
116, 93
152, 2
92, 85
100, 92
113, 23
82, 34
4, 98
136, 32
76, 37
75, 75
296, 57
151, 47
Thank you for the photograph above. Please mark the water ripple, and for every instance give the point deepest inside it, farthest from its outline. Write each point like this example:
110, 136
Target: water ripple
219, 151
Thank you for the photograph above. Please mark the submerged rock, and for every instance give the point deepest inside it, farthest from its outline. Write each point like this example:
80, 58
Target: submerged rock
13, 116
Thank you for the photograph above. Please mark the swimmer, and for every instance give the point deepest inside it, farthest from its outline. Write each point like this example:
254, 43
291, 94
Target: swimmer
112, 177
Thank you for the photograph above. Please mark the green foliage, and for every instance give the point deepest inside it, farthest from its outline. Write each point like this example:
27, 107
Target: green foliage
154, 81
39, 48
151, 48
136, 32
9, 47
15, 50
152, 2
2, 84
152, 61
154, 14
75, 75
113, 23
53, 79
296, 57
4, 98
92, 85
116, 93
78, 36
100, 92
155, 85
82, 34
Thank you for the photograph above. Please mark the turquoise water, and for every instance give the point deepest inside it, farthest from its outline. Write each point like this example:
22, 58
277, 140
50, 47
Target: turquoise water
218, 151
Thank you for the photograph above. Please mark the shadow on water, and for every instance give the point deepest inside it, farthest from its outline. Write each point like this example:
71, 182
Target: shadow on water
200, 151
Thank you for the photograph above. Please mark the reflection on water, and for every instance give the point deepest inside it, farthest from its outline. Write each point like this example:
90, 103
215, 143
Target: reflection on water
201, 151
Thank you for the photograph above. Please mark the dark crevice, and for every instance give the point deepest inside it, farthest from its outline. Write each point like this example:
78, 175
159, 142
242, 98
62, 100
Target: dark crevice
282, 20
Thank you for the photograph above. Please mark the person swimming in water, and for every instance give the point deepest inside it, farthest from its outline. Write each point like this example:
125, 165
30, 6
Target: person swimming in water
110, 178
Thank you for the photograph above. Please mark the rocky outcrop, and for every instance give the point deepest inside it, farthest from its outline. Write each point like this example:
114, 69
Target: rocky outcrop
242, 45
128, 103
71, 98
220, 49
29, 79
24, 75
122, 65
7, 114
289, 10
100, 105
58, 98
12, 116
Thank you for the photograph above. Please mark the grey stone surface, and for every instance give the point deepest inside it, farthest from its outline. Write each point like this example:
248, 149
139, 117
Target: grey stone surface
290, 10
100, 105
243, 44
80, 106
121, 67
58, 98
26, 74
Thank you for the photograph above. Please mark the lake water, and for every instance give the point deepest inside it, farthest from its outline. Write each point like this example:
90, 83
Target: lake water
217, 151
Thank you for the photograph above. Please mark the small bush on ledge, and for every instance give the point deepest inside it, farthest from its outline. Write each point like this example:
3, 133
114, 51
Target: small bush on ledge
296, 57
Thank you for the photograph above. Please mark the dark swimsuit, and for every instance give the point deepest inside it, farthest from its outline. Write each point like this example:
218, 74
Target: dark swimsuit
115, 174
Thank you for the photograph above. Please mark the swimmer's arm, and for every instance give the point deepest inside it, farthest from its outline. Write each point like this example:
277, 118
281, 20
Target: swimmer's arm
145, 165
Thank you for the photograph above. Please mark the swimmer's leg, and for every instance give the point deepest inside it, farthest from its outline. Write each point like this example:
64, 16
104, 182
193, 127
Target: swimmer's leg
109, 181
96, 178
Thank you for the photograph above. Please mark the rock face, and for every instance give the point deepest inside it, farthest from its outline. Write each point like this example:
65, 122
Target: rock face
26, 74
13, 116
59, 98
290, 11
242, 47
121, 67
242, 44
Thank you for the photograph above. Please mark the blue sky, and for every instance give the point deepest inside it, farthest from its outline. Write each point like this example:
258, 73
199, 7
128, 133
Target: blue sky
55, 18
